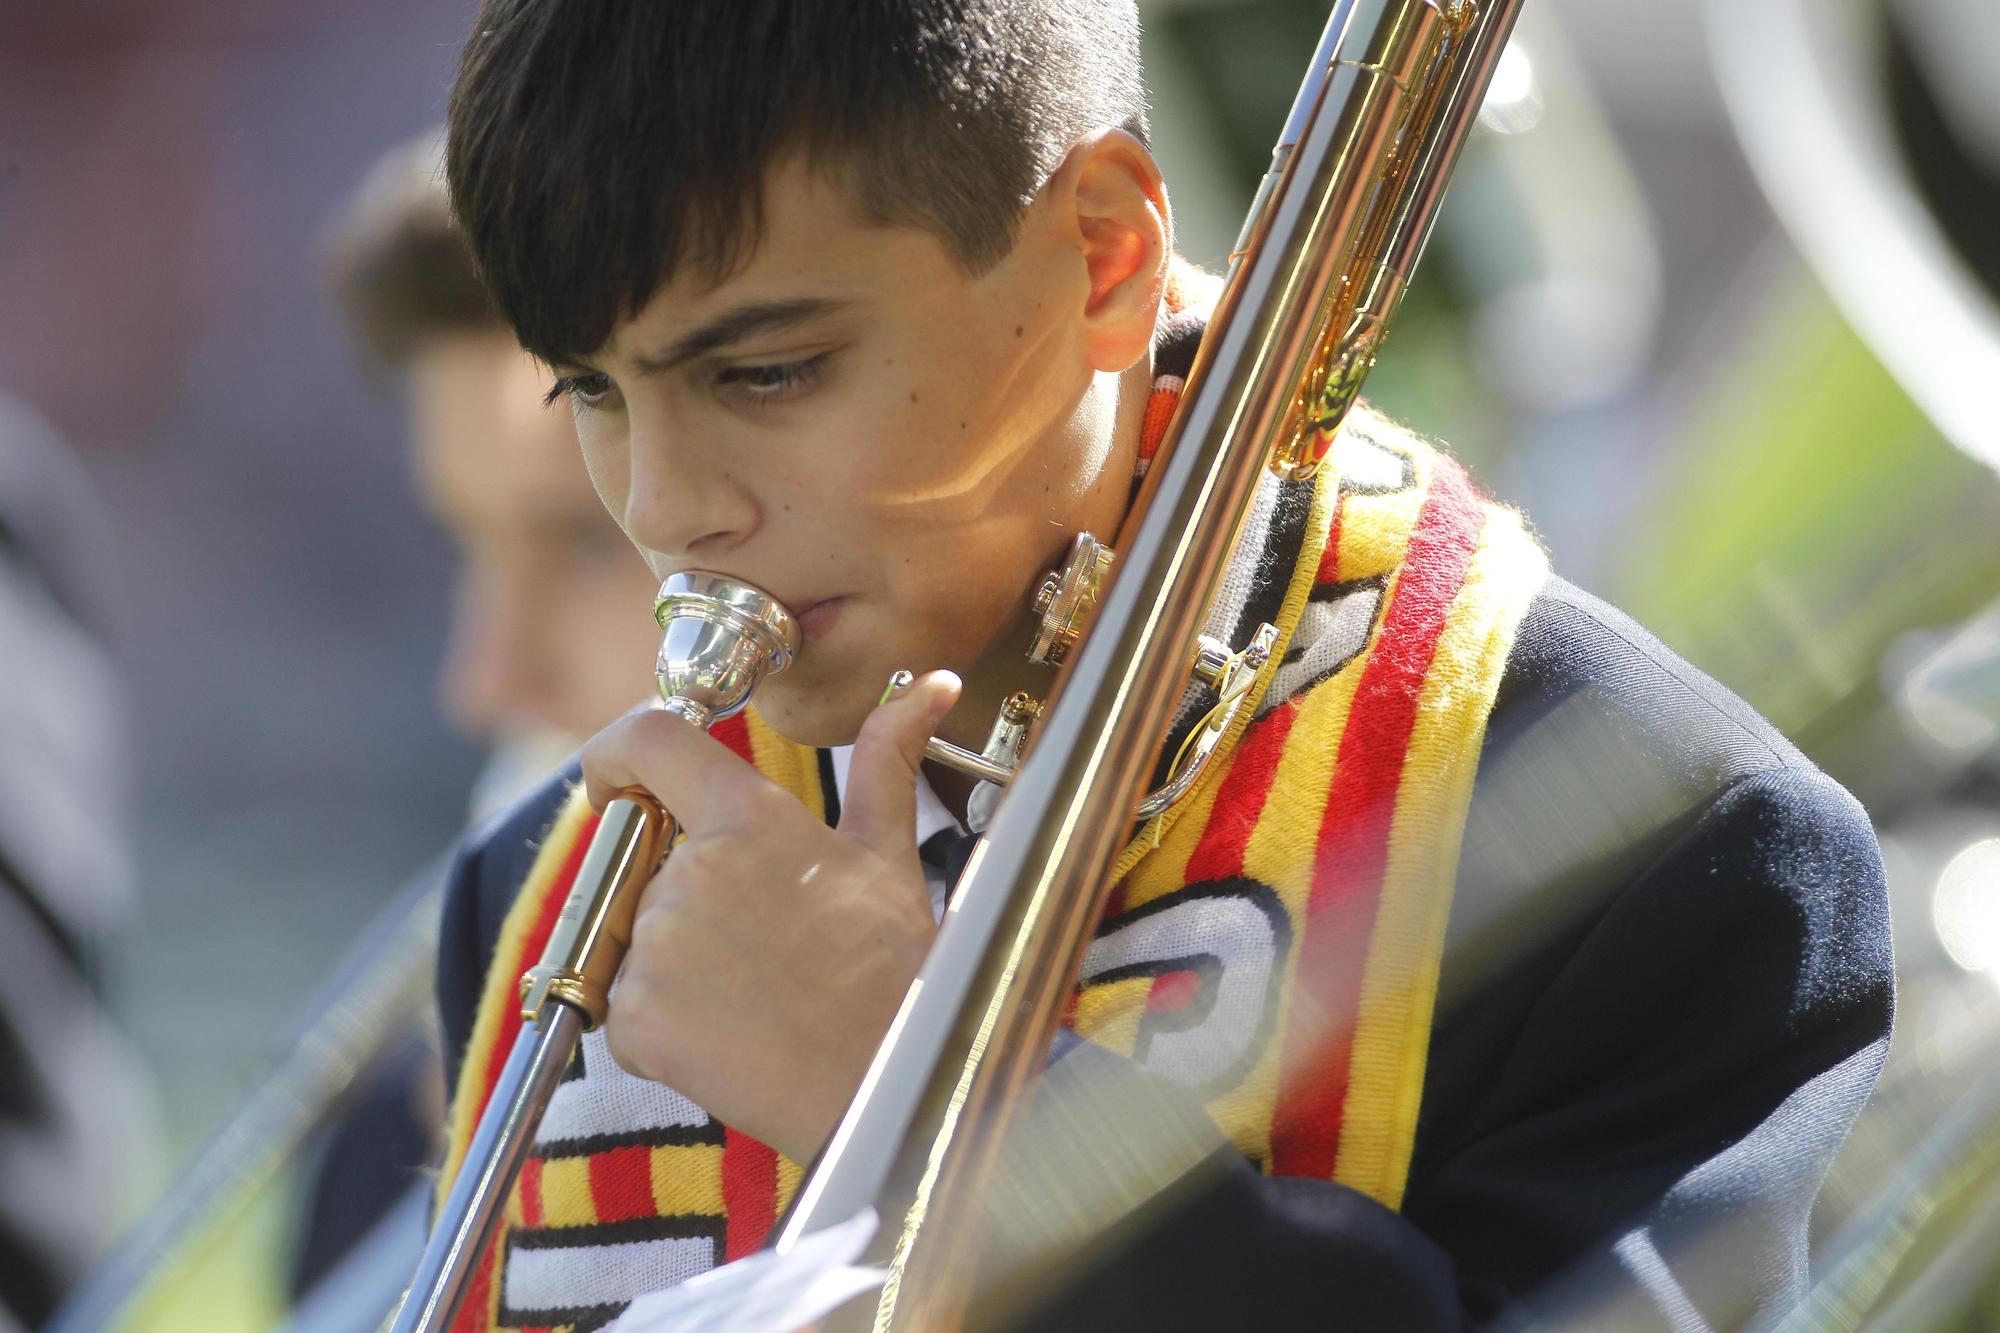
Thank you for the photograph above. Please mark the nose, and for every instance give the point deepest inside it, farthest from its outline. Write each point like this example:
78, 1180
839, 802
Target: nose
685, 501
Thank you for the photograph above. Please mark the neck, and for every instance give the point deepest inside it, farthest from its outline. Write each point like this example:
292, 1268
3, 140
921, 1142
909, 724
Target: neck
1007, 668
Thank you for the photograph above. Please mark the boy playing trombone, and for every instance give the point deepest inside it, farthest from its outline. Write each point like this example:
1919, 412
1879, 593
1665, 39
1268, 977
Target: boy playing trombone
1502, 945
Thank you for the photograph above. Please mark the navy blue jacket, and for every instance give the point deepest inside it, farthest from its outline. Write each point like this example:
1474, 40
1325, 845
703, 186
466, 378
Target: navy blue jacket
1666, 992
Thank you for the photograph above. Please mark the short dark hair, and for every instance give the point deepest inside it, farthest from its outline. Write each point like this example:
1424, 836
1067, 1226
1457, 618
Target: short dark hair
596, 146
401, 271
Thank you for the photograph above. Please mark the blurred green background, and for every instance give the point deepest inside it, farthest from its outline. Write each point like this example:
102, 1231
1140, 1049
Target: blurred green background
1624, 327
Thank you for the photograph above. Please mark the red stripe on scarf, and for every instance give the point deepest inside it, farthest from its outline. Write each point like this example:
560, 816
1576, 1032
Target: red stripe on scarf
1329, 556
1173, 992
749, 1193
478, 1296
621, 1183
531, 952
1114, 902
1354, 832
1240, 802
472, 1315
1159, 411
531, 1192
735, 733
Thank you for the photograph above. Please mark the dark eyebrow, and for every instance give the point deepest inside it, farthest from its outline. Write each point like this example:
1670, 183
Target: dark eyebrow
734, 326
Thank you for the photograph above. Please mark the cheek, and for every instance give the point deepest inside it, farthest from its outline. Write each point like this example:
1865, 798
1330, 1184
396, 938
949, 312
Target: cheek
943, 436
605, 463
950, 498
964, 594
964, 540
951, 477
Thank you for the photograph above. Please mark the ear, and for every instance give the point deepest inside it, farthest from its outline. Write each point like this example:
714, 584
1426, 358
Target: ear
1111, 190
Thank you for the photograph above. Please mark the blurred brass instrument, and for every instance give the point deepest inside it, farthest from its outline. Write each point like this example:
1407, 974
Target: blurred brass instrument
1334, 232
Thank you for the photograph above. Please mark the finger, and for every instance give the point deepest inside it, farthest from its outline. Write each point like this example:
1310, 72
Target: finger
879, 806
702, 782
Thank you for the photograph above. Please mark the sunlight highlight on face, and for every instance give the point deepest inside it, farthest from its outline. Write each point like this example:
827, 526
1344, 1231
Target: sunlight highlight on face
894, 448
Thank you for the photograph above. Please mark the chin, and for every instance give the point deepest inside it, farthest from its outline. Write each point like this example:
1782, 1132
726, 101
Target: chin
811, 713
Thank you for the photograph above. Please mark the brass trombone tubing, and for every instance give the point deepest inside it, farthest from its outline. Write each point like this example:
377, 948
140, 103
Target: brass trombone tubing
1304, 305
536, 1064
719, 637
969, 762
564, 996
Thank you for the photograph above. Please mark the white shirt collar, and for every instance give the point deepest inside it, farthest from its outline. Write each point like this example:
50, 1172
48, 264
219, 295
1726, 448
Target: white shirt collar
932, 816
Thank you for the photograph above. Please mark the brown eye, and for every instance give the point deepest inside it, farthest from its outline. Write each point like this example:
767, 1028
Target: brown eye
770, 383
582, 390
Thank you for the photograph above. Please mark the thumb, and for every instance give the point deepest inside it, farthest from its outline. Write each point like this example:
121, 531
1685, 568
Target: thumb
881, 799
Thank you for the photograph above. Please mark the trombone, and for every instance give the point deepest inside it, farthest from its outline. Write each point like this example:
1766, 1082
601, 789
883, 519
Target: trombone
1333, 235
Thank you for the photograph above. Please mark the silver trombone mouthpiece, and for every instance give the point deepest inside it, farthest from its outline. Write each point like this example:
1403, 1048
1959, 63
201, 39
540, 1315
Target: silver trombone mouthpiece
719, 638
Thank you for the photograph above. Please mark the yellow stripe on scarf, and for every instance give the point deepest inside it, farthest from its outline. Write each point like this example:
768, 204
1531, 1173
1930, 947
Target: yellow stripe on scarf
1399, 985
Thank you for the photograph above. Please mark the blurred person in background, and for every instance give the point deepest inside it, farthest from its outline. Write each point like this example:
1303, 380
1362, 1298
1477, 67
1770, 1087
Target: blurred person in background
77, 1134
550, 636
550, 633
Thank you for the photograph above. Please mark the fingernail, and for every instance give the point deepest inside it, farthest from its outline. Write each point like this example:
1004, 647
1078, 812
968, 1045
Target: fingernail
944, 699
900, 681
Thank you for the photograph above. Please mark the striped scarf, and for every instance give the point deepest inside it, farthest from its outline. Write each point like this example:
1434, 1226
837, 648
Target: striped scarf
1271, 943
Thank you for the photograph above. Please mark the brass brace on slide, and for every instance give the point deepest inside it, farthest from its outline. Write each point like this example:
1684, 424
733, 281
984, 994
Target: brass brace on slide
1064, 603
